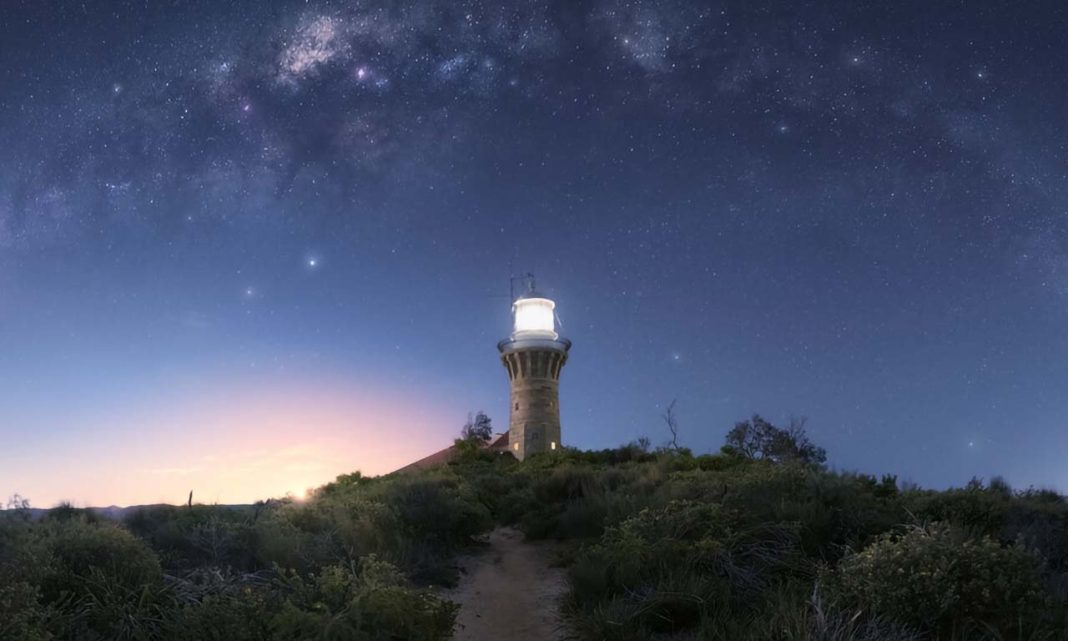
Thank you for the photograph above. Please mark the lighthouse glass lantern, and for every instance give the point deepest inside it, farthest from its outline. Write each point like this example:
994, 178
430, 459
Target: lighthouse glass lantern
534, 318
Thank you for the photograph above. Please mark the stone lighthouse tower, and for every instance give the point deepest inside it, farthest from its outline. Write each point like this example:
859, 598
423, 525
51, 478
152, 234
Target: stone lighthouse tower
534, 355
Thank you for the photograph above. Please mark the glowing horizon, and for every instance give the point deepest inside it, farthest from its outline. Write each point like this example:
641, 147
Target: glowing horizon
235, 446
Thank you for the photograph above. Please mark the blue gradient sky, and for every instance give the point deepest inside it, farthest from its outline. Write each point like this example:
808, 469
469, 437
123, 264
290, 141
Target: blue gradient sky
847, 211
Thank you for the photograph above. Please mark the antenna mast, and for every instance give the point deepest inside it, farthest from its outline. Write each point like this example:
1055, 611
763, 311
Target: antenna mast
527, 279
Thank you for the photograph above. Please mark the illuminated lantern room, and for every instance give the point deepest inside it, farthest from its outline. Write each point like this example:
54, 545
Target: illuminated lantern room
534, 318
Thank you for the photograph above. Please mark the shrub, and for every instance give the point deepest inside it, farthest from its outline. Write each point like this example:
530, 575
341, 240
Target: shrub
190, 536
789, 614
21, 616
974, 509
80, 551
674, 566
238, 615
276, 541
96, 580
937, 578
371, 603
110, 608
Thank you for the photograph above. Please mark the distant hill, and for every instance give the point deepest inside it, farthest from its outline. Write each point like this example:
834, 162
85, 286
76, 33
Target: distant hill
112, 512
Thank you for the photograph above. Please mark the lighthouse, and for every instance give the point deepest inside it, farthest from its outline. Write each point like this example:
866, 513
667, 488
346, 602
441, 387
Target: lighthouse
534, 355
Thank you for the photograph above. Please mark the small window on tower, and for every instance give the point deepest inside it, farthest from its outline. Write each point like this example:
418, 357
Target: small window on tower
517, 405
552, 445
516, 447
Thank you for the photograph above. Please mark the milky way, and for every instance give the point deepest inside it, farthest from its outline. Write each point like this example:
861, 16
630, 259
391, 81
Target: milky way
854, 212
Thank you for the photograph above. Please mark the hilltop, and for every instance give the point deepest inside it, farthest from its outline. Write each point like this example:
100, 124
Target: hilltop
747, 544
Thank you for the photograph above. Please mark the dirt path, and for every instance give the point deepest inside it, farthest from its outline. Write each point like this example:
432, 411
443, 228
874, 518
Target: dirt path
509, 592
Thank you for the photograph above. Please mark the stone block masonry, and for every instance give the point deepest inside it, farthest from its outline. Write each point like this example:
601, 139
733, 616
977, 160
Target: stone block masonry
534, 412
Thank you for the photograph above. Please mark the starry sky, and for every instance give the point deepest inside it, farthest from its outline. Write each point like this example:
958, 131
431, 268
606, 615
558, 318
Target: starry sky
247, 246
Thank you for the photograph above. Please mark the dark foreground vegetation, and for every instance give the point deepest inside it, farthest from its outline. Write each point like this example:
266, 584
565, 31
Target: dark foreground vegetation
758, 542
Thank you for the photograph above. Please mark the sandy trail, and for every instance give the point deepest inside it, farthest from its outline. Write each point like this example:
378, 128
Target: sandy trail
509, 592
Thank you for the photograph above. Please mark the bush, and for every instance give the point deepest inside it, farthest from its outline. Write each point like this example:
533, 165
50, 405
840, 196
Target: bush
97, 580
791, 614
21, 616
81, 553
974, 509
938, 578
371, 603
673, 567
231, 615
191, 536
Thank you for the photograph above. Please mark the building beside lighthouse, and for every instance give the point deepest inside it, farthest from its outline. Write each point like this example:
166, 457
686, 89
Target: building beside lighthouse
534, 355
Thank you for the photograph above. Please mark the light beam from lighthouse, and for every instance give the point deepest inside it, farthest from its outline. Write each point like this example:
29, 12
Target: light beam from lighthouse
534, 355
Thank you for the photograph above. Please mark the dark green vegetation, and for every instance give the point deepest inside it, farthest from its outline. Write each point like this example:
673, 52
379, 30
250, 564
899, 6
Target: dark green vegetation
758, 542
353, 562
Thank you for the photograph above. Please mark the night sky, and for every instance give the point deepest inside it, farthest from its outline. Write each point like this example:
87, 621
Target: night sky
245, 247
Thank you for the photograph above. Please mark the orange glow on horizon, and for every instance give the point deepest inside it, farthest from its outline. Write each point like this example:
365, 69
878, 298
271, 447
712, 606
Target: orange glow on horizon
237, 446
